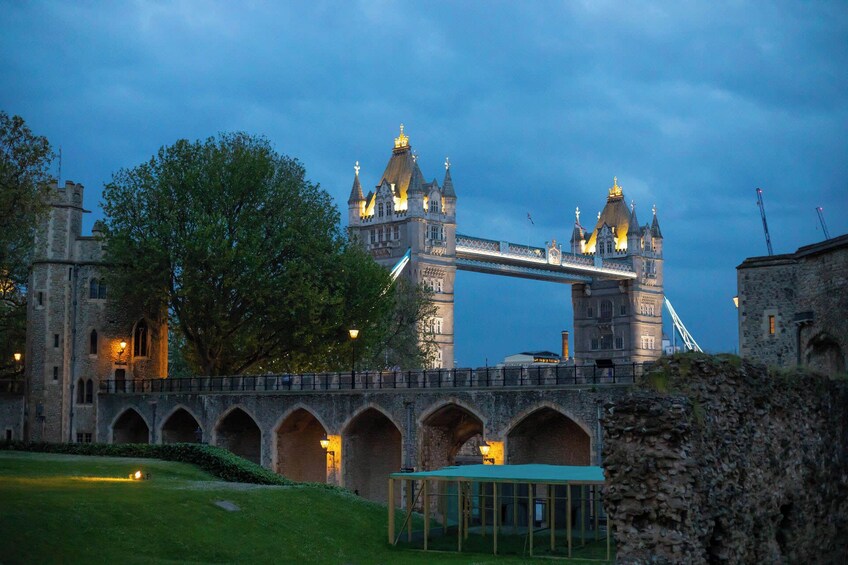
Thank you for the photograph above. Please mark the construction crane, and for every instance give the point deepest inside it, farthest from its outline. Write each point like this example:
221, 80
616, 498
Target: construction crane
763, 214
688, 341
820, 212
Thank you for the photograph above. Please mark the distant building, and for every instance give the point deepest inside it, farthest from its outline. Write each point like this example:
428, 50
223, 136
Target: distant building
793, 308
532, 358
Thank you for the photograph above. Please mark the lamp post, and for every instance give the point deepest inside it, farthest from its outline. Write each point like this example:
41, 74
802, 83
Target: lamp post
17, 357
353, 335
325, 443
484, 451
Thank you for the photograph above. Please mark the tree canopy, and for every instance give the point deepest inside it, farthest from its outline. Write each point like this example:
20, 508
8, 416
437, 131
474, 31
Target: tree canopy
24, 162
246, 258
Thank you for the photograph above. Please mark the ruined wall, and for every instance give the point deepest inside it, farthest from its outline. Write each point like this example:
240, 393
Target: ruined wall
714, 460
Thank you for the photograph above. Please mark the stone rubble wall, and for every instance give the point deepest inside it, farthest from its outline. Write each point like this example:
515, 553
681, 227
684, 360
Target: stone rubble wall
714, 460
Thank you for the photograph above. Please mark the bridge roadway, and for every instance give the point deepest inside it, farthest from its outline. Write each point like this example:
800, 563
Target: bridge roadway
376, 423
538, 263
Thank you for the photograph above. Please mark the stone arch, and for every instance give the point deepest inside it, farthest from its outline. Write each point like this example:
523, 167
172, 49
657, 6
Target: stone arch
450, 432
548, 433
372, 449
130, 427
298, 454
237, 431
824, 354
180, 426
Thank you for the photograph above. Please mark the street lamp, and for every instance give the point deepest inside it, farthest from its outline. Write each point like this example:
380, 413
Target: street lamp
17, 357
325, 443
484, 451
353, 335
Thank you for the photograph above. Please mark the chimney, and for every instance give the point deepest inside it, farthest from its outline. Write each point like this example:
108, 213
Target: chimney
565, 345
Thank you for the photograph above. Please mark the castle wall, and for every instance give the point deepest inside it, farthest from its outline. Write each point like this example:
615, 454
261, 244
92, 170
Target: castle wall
806, 293
732, 464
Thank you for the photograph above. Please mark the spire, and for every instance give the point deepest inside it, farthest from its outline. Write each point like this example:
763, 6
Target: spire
401, 141
447, 185
615, 190
416, 181
356, 191
655, 225
633, 221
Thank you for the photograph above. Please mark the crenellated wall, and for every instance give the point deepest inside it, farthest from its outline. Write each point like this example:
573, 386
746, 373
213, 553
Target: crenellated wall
718, 461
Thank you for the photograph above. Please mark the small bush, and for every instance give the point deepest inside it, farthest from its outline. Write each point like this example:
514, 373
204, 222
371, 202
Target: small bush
218, 462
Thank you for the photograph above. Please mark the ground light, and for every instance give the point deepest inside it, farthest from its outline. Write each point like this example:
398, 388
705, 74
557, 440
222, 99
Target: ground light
139, 476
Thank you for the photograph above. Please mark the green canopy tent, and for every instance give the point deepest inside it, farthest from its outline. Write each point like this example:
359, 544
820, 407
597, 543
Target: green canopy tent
491, 490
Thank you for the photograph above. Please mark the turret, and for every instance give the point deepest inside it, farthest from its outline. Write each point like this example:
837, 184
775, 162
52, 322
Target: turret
578, 235
634, 233
448, 191
356, 201
656, 234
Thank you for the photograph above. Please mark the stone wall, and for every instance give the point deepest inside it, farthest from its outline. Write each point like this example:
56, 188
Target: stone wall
806, 293
11, 416
717, 460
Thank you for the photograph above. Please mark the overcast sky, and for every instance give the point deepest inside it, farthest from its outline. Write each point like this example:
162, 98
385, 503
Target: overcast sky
691, 105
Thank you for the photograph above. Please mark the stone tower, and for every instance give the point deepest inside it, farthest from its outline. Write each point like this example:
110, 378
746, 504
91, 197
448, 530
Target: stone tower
406, 212
74, 333
619, 321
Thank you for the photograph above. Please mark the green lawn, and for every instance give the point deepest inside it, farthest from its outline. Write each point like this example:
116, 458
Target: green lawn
76, 509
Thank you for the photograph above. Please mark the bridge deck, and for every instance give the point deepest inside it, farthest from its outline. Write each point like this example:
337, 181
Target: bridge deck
524, 261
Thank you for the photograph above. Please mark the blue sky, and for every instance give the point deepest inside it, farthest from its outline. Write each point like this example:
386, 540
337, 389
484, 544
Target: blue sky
691, 105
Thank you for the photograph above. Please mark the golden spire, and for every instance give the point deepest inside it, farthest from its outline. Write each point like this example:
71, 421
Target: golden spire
615, 190
401, 141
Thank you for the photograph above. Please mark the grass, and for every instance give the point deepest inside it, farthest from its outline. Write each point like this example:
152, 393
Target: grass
80, 509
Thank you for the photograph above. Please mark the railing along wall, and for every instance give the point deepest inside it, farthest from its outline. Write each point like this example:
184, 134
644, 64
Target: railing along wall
482, 378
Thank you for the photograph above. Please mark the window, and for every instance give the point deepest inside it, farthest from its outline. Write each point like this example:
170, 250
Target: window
140, 340
380, 210
80, 392
41, 299
438, 286
435, 232
589, 312
89, 391
606, 341
594, 343
101, 293
373, 236
434, 205
438, 357
622, 310
606, 309
55, 373
647, 342
55, 340
92, 345
93, 289
619, 342
83, 437
397, 232
437, 325
771, 324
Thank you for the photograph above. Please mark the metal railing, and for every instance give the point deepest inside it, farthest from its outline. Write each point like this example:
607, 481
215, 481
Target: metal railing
11, 386
482, 378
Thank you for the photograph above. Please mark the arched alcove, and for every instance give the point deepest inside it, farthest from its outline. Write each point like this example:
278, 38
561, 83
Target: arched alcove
300, 456
238, 433
371, 448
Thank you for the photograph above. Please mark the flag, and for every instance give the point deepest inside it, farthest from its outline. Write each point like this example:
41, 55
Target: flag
531, 219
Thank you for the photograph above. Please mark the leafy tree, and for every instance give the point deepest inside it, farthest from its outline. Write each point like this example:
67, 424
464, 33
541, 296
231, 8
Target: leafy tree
246, 258
24, 162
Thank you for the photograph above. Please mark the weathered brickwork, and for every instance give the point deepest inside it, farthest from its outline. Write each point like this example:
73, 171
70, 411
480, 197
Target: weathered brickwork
380, 431
73, 330
11, 416
793, 308
733, 465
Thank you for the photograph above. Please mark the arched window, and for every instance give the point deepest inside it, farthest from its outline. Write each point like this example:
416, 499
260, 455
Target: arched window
89, 391
140, 340
80, 391
606, 309
101, 293
92, 346
93, 289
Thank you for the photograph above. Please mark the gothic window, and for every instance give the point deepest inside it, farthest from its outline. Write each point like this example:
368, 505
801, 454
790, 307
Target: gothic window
140, 340
619, 342
41, 299
437, 325
93, 289
380, 210
438, 286
101, 293
80, 391
647, 342
92, 343
89, 391
397, 232
606, 341
438, 357
434, 205
606, 309
609, 247
589, 312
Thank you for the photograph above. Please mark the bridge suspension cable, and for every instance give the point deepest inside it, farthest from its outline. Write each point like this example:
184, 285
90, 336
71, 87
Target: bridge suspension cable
400, 265
688, 341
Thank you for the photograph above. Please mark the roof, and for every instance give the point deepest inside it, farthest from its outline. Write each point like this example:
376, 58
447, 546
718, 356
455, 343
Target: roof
356, 190
826, 246
399, 171
615, 214
448, 184
532, 473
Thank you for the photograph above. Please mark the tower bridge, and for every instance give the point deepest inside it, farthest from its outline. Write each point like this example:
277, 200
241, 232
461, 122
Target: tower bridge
615, 268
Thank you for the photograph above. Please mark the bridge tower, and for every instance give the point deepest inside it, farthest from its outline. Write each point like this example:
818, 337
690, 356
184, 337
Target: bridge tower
619, 321
406, 212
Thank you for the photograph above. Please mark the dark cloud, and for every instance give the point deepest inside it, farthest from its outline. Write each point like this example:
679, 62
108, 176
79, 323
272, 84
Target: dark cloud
691, 105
